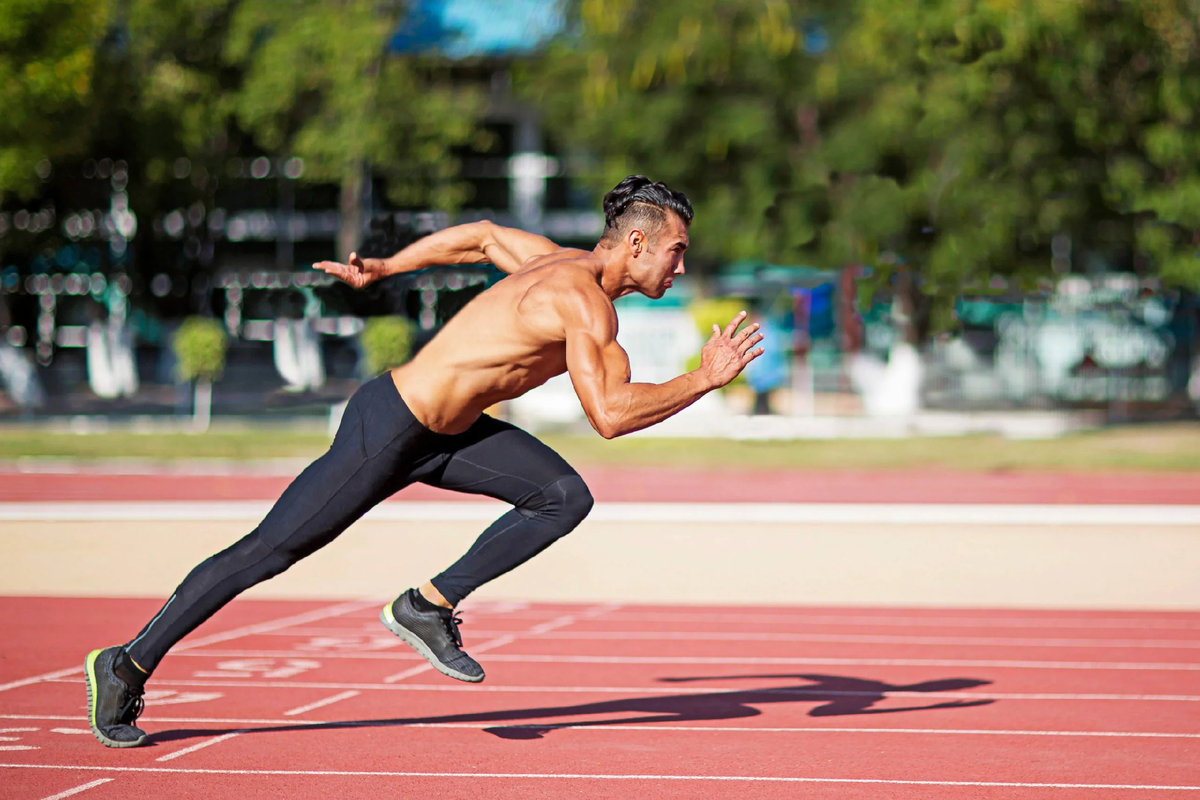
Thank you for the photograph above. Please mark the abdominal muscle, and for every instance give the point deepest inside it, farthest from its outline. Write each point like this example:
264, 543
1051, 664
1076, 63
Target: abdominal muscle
502, 344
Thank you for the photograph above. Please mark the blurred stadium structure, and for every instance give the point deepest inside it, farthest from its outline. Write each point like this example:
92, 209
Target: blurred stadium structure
91, 291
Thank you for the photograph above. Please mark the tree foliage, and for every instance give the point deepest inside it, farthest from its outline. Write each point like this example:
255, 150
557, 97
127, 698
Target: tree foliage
386, 342
200, 345
47, 53
320, 85
972, 144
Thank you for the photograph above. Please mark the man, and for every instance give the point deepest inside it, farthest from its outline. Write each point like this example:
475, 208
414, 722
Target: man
424, 422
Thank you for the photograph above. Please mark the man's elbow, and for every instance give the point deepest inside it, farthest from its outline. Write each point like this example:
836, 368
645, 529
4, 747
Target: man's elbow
605, 425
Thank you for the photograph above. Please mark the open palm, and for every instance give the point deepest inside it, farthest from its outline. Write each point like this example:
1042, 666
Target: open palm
358, 272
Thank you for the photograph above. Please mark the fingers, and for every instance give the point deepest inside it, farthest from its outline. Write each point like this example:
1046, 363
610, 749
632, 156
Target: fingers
734, 323
332, 267
747, 343
745, 332
339, 271
750, 355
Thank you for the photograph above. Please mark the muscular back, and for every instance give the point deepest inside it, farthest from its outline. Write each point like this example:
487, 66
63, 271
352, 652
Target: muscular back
508, 340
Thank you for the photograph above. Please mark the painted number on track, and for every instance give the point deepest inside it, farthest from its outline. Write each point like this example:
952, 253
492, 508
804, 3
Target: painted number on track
270, 668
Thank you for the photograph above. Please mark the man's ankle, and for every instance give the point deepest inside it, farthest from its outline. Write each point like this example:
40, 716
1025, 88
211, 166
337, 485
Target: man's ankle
431, 595
128, 670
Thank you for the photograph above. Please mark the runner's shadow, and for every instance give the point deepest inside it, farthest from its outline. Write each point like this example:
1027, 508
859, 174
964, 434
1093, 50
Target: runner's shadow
835, 695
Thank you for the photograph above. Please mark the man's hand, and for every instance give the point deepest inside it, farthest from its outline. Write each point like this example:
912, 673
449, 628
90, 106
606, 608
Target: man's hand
359, 272
728, 351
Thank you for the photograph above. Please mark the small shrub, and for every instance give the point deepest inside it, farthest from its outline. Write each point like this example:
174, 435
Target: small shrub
200, 345
386, 342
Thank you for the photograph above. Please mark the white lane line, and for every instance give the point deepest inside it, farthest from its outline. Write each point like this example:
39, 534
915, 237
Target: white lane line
248, 630
723, 636
78, 789
243, 723
49, 676
72, 731
749, 660
274, 625
817, 693
200, 746
1140, 622
425, 666
608, 777
328, 701
739, 513
509, 638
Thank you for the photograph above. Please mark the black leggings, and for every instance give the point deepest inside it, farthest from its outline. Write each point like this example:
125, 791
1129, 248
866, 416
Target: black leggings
379, 449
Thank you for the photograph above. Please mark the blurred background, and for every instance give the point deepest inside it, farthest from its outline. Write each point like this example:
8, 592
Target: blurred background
952, 218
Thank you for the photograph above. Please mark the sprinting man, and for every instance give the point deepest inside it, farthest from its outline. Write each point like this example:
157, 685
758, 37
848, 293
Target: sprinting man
424, 422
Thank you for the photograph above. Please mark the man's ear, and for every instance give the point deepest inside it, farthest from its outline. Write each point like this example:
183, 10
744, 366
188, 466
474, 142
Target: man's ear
637, 242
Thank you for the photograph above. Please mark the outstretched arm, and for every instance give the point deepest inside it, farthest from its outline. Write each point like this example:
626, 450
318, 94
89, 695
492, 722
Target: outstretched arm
481, 242
599, 369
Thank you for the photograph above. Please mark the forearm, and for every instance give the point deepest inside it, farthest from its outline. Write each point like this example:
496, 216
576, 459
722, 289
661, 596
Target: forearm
639, 405
461, 244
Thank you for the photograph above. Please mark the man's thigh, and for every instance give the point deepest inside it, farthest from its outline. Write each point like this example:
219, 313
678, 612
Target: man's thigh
499, 460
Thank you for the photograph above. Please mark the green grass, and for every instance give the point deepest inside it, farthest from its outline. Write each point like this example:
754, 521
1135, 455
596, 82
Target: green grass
1135, 448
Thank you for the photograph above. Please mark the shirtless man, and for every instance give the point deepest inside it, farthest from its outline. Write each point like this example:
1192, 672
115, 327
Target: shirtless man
424, 422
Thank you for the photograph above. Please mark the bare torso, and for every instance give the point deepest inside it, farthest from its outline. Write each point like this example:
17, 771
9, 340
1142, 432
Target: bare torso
506, 341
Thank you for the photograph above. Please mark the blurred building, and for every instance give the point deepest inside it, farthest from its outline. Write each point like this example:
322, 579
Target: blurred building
96, 310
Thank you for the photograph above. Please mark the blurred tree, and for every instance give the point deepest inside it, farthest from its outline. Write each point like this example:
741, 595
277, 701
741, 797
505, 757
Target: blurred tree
321, 85
978, 145
710, 96
952, 146
386, 343
47, 51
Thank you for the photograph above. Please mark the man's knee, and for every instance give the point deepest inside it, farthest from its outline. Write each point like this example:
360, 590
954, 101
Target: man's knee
571, 496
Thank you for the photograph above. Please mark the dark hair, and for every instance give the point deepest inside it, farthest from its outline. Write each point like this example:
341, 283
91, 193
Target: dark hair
638, 201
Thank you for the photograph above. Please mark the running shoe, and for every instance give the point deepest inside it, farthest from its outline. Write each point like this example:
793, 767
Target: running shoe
113, 705
433, 634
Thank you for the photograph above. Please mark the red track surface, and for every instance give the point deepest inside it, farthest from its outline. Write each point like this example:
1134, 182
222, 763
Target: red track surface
721, 702
664, 485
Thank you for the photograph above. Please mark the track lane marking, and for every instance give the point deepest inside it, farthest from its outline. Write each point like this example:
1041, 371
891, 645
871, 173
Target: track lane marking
530, 658
740, 513
206, 743
311, 723
449, 687
246, 630
611, 777
510, 637
723, 636
78, 789
765, 618
328, 701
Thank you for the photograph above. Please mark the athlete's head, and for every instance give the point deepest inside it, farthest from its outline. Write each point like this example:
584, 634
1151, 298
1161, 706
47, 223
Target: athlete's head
652, 222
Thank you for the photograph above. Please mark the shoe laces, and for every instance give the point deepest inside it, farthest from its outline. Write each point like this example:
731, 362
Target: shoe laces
132, 708
452, 621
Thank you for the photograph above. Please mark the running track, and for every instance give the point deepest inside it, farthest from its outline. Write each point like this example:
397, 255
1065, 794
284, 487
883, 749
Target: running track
313, 699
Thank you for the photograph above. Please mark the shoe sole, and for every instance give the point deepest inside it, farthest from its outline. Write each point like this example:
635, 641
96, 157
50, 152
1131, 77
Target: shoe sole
89, 672
412, 640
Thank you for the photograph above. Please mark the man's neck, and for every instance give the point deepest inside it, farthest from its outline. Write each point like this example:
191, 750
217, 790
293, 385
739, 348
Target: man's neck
613, 274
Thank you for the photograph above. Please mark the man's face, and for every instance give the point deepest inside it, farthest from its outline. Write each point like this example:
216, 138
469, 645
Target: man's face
660, 258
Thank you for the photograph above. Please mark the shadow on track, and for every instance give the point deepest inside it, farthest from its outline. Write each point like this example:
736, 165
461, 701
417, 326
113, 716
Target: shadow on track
836, 696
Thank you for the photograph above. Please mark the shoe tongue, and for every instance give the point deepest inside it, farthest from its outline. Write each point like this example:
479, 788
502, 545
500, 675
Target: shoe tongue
124, 669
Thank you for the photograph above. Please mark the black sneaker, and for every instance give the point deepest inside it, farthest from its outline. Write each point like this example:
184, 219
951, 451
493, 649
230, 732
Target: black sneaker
113, 705
433, 634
